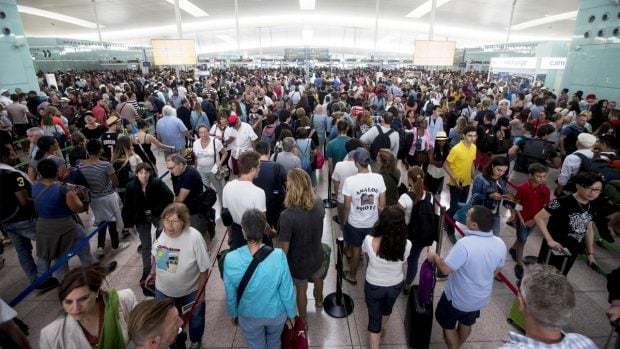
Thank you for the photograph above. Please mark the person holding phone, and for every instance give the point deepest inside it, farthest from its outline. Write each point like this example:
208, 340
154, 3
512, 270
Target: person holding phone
569, 221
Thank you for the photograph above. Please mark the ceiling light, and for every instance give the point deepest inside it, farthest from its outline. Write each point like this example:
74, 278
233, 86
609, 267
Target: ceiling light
306, 4
545, 20
57, 16
425, 8
190, 8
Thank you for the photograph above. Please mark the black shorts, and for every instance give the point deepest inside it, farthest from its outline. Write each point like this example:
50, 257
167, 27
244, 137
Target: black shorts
448, 316
20, 130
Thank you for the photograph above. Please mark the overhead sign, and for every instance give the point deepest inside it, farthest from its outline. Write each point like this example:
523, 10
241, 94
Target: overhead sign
306, 53
553, 63
514, 62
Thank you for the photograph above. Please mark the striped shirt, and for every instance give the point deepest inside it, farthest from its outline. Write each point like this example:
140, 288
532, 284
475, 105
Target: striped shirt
569, 341
98, 177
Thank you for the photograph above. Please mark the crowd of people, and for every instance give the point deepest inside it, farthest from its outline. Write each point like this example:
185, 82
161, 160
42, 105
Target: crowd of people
252, 142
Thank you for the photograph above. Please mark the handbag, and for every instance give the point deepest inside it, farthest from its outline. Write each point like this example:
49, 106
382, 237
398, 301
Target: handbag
206, 199
327, 251
188, 152
222, 171
295, 337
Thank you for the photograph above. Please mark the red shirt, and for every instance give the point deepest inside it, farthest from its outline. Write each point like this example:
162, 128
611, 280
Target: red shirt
533, 199
99, 114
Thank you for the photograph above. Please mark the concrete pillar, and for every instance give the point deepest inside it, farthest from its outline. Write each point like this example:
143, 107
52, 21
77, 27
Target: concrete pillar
17, 69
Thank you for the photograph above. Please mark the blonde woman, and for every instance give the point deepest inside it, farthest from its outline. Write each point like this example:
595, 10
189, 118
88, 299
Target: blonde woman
199, 117
456, 133
301, 229
366, 123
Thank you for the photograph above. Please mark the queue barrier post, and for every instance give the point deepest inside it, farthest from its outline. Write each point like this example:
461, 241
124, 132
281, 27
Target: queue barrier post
339, 304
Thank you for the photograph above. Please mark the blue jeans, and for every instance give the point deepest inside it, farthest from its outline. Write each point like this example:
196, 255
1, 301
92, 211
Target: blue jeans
456, 195
197, 321
412, 263
22, 234
263, 333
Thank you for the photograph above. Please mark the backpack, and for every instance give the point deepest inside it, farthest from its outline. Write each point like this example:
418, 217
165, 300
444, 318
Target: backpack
429, 107
598, 165
306, 163
532, 151
488, 142
123, 172
405, 140
382, 141
423, 223
268, 136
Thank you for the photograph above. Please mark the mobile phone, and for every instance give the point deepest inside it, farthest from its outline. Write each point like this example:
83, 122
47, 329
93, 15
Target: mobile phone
186, 308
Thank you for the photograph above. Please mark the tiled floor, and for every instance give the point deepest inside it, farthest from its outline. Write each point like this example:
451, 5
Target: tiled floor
324, 331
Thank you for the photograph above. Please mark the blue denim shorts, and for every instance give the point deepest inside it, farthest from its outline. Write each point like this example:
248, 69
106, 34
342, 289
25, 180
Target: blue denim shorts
523, 232
448, 316
355, 236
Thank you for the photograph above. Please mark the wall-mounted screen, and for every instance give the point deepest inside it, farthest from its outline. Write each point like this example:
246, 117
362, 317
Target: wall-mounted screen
428, 52
173, 51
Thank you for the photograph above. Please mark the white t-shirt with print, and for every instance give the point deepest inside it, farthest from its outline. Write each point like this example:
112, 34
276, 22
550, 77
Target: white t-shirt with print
205, 156
179, 261
364, 190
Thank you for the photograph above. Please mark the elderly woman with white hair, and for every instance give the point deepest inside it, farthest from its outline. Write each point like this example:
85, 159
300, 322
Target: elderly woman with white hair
171, 130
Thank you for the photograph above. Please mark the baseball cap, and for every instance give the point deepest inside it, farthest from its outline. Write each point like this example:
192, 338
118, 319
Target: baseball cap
361, 156
232, 119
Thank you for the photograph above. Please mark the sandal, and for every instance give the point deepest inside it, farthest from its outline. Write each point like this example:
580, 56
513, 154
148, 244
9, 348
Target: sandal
351, 281
6, 241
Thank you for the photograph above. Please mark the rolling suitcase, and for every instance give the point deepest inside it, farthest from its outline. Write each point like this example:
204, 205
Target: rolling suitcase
418, 321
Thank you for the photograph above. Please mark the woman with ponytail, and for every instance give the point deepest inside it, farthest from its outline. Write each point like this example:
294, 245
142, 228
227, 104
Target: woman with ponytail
416, 193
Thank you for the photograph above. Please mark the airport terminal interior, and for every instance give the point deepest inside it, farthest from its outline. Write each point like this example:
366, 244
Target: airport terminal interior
492, 57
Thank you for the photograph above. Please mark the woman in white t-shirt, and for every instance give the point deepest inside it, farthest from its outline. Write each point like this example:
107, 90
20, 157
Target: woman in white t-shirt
180, 264
387, 249
210, 157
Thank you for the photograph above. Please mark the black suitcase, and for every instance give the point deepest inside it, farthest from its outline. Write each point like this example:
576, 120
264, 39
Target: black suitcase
418, 321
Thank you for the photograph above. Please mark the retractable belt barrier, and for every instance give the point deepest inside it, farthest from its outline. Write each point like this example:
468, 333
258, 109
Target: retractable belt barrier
201, 292
64, 259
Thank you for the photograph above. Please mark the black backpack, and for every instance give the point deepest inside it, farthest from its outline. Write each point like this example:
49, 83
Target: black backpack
488, 142
405, 140
382, 141
596, 165
123, 172
533, 151
429, 107
423, 223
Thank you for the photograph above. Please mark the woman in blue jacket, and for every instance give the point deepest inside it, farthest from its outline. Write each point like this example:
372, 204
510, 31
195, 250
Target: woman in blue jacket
269, 298
491, 186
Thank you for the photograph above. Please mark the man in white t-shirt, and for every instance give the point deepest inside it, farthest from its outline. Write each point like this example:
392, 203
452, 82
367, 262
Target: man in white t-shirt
241, 195
343, 170
364, 199
242, 138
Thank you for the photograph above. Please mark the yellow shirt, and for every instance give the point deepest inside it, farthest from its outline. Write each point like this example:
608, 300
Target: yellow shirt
461, 159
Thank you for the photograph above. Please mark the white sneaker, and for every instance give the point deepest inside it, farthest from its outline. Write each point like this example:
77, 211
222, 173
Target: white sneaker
195, 345
121, 246
99, 252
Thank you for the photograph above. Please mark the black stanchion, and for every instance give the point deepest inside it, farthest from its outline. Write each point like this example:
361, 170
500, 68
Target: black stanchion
329, 202
438, 274
338, 304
